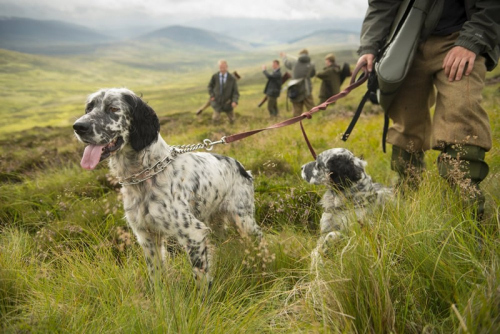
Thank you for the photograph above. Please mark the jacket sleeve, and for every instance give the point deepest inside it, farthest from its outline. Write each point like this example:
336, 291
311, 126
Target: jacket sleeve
289, 62
323, 74
273, 75
211, 86
481, 33
377, 25
313, 71
236, 93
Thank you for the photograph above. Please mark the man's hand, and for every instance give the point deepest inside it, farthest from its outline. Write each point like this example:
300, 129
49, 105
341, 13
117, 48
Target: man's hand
458, 61
212, 98
234, 104
282, 54
264, 67
368, 60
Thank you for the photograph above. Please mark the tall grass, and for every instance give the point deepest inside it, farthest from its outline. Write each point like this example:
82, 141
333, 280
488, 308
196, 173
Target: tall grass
69, 264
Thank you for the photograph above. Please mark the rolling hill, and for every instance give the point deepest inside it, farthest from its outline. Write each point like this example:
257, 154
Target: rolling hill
188, 37
272, 32
327, 37
48, 37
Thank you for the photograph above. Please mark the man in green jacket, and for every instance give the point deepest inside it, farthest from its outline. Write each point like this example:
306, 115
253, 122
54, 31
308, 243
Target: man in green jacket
459, 43
330, 78
273, 87
224, 94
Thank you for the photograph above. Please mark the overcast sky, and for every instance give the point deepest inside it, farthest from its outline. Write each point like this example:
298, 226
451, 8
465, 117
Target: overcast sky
104, 11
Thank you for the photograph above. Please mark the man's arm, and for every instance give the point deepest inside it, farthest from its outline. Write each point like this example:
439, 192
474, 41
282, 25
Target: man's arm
236, 95
288, 61
377, 25
323, 74
480, 35
312, 73
375, 29
211, 87
273, 75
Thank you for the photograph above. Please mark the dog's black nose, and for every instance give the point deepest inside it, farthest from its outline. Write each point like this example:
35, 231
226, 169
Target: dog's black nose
81, 127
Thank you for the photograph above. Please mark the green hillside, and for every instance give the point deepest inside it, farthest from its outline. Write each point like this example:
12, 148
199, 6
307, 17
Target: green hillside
47, 37
43, 91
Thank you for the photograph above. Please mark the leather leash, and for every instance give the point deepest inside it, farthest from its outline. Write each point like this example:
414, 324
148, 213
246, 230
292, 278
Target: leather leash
308, 114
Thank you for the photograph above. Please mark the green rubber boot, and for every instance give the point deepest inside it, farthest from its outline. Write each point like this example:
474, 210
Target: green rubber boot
409, 167
463, 166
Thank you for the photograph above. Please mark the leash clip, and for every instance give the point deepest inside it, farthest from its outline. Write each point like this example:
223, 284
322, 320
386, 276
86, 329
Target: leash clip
209, 145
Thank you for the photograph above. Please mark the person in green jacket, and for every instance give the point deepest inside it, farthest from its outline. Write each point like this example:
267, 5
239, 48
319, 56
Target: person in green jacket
459, 42
224, 94
273, 87
330, 78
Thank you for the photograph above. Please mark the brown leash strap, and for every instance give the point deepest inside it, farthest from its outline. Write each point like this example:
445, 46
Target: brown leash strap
311, 149
308, 114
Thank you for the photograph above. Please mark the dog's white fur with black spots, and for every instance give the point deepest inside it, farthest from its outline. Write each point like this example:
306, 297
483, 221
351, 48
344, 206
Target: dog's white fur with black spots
352, 194
183, 200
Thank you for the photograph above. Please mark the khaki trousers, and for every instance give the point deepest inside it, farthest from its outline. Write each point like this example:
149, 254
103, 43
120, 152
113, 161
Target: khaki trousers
458, 117
299, 106
272, 105
217, 115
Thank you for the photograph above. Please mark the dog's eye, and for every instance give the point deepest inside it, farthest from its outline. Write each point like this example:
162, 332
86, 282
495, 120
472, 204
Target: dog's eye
114, 109
89, 108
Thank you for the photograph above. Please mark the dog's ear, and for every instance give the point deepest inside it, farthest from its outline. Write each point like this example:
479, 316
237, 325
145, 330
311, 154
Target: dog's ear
145, 124
343, 172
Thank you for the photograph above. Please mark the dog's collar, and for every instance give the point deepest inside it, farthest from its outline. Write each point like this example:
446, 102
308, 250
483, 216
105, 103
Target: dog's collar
149, 172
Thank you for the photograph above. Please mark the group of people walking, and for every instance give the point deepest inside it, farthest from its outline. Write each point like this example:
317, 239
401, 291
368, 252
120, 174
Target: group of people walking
224, 93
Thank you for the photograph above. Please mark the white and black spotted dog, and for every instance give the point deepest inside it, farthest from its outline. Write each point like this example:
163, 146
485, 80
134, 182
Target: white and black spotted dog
165, 193
351, 196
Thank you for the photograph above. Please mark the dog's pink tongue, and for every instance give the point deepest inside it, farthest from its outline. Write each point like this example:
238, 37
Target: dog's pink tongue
91, 156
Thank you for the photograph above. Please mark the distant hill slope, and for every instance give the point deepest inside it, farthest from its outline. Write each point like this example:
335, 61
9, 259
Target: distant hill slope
327, 37
194, 37
47, 37
273, 32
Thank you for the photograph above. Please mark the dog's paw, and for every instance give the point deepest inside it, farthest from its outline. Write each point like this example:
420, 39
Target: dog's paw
332, 238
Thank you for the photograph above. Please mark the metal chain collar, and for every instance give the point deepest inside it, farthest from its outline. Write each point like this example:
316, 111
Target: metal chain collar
207, 145
160, 166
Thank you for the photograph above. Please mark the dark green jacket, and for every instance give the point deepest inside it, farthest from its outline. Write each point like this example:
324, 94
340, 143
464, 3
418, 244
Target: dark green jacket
480, 34
273, 85
330, 82
229, 94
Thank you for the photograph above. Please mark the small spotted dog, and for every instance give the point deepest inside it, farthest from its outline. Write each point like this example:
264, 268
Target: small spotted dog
352, 191
166, 193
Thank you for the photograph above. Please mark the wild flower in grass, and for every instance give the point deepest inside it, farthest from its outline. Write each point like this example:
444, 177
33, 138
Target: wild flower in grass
269, 164
63, 206
457, 171
74, 229
44, 235
112, 208
257, 256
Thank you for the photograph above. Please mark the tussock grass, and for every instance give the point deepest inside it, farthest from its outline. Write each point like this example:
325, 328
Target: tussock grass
69, 263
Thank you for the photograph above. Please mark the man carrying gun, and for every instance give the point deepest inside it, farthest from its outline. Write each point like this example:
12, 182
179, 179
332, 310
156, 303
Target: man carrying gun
273, 88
